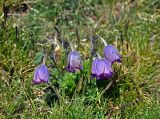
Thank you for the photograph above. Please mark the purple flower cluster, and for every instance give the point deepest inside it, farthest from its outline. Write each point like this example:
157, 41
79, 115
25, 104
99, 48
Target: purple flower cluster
102, 67
41, 73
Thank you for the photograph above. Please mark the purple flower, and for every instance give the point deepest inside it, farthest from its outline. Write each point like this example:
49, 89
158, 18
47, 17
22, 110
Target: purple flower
111, 54
41, 74
74, 62
101, 69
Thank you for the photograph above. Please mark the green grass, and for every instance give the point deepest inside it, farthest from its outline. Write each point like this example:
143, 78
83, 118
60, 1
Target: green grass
134, 30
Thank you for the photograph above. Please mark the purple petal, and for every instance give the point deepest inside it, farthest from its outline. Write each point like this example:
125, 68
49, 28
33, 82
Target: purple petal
74, 62
37, 81
111, 54
100, 65
108, 67
101, 69
41, 74
94, 66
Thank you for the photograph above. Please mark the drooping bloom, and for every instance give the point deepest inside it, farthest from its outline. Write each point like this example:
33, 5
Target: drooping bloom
41, 74
111, 54
74, 62
101, 69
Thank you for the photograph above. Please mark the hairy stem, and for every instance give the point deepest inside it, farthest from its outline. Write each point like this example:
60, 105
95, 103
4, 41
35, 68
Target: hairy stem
102, 39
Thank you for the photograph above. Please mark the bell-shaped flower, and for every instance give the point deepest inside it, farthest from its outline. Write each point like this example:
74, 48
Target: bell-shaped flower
111, 54
74, 62
101, 69
41, 74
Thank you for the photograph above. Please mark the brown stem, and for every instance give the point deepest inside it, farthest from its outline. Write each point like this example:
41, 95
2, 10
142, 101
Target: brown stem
57, 93
107, 87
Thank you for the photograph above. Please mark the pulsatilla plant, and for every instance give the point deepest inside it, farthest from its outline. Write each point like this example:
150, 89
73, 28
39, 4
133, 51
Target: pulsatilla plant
111, 54
74, 62
41, 74
101, 69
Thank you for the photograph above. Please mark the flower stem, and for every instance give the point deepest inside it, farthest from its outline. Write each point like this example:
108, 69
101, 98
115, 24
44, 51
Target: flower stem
99, 56
90, 68
71, 46
44, 59
102, 39
56, 92
59, 71
107, 87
